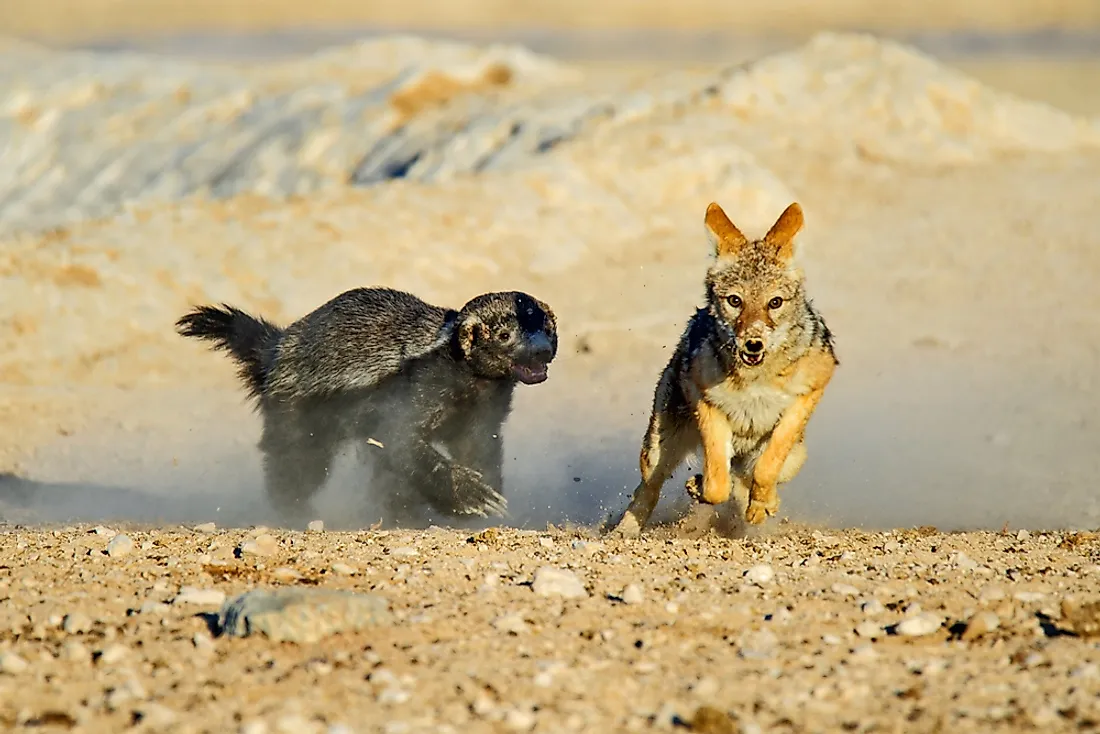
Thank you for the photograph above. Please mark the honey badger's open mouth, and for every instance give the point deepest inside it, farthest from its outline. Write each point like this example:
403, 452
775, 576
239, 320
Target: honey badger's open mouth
529, 374
752, 359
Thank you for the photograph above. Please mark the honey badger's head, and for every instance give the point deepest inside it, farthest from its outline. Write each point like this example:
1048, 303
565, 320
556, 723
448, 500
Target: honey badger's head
507, 335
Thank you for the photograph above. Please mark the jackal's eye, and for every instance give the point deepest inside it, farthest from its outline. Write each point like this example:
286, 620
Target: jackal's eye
775, 303
734, 301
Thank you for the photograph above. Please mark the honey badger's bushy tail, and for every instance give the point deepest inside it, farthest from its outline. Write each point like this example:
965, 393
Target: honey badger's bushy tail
250, 341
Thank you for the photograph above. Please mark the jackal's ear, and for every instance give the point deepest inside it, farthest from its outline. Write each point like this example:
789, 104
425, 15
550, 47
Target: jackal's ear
724, 236
782, 233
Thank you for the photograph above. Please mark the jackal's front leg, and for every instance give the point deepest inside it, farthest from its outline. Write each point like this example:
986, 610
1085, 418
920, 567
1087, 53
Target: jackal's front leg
788, 433
715, 432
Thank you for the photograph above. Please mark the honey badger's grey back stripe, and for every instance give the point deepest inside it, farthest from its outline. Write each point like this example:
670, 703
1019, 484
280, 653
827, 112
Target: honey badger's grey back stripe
355, 341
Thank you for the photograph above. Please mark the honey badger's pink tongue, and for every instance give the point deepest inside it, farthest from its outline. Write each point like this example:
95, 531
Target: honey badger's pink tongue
529, 375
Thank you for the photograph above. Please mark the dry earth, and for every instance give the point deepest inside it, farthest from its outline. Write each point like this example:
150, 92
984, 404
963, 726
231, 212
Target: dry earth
949, 243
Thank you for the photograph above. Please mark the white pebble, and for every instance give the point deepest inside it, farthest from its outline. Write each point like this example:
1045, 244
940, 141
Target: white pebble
404, 552
316, 526
100, 530
760, 574
120, 546
872, 608
76, 623
1028, 596
1023, 535
870, 630
512, 623
519, 720
113, 654
919, 625
344, 569
551, 581
202, 597
12, 664
206, 527
845, 590
632, 594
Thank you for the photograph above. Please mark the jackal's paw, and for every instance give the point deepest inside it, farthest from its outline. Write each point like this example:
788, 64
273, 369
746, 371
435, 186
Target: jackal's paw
628, 527
694, 487
760, 510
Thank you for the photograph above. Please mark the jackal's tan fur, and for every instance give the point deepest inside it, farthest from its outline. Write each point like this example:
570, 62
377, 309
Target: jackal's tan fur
744, 380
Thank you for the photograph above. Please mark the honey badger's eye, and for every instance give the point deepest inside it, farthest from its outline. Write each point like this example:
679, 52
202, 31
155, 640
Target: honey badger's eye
504, 335
775, 303
734, 301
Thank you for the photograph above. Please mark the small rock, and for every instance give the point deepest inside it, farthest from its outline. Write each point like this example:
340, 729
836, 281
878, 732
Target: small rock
286, 573
201, 597
301, 615
991, 593
864, 653
758, 645
872, 608
150, 606
12, 664
510, 623
870, 630
112, 655
316, 526
74, 651
980, 624
546, 542
404, 552
519, 720
253, 726
1023, 535
760, 574
202, 641
830, 639
919, 625
706, 688
262, 545
845, 590
632, 594
344, 569
1028, 596
107, 532
206, 528
551, 581
76, 623
120, 546
155, 716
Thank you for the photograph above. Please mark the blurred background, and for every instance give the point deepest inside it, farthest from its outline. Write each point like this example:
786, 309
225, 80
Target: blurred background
1045, 49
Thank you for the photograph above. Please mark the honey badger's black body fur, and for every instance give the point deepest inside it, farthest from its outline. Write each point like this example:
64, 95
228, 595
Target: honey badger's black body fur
375, 366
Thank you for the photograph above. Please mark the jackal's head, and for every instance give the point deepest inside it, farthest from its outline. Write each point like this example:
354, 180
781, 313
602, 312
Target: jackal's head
753, 288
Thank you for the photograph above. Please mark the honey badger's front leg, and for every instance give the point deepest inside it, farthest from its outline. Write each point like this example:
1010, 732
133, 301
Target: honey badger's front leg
817, 370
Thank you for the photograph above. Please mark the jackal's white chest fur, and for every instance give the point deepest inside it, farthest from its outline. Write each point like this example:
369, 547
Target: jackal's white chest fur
752, 409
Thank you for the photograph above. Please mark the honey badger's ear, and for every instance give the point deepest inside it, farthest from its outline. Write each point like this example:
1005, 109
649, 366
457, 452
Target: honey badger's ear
781, 235
470, 329
724, 236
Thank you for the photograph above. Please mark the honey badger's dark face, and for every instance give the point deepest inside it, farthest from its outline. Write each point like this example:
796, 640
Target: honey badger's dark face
507, 335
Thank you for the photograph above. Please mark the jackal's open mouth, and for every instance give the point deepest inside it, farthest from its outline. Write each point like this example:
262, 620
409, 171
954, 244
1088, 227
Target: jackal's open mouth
752, 359
529, 374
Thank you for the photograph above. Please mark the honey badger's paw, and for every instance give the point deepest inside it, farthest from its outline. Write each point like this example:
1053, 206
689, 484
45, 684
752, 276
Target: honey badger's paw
472, 496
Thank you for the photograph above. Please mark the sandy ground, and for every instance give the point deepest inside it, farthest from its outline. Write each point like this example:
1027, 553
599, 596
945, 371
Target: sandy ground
952, 253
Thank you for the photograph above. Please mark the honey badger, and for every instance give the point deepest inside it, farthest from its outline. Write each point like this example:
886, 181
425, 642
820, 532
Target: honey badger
429, 387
